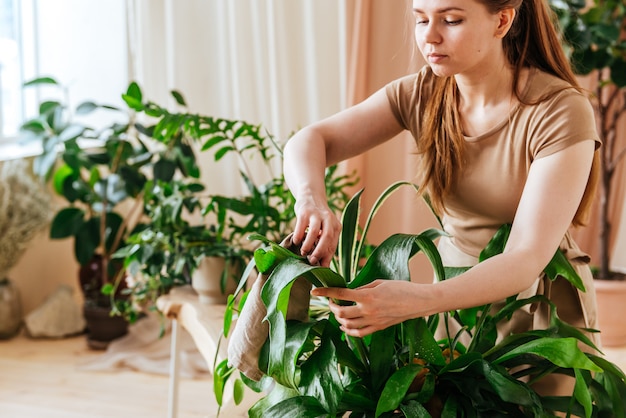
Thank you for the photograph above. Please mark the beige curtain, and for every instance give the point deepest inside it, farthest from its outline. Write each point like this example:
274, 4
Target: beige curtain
381, 48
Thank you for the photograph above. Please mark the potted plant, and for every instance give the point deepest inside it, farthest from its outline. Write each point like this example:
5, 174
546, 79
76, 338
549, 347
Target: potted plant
316, 370
169, 249
595, 41
103, 183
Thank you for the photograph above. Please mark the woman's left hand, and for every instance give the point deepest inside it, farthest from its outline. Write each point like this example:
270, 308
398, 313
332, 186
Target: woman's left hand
376, 306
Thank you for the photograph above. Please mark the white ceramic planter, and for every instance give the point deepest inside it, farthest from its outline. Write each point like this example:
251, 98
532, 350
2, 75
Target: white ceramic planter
206, 281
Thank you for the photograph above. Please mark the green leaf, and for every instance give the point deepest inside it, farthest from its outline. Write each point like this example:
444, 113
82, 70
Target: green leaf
563, 352
179, 98
390, 259
41, 80
299, 406
134, 91
164, 170
107, 289
49, 106
60, 175
396, 387
238, 391
381, 356
85, 108
560, 266
508, 388
414, 409
377, 204
220, 377
87, 240
67, 222
133, 103
320, 377
71, 132
496, 244
581, 393
427, 348
348, 236
618, 72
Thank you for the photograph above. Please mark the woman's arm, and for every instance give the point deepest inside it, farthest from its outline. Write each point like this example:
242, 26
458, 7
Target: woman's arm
551, 196
307, 154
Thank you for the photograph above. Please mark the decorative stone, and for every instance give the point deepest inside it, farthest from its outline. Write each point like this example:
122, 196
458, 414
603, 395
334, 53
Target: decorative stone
59, 316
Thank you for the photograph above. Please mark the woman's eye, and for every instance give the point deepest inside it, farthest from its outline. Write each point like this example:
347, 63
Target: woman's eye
453, 22
421, 22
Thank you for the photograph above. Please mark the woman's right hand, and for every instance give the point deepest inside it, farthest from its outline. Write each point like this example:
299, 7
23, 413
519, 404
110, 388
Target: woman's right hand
318, 229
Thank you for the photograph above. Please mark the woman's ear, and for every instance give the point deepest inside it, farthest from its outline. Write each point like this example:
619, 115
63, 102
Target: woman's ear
505, 22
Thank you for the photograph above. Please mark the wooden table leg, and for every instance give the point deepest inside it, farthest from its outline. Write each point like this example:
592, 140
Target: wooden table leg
174, 372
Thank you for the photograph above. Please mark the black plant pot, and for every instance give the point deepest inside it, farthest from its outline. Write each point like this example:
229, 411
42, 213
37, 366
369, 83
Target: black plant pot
102, 328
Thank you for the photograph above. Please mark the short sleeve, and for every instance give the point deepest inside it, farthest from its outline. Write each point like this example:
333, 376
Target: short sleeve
563, 120
406, 97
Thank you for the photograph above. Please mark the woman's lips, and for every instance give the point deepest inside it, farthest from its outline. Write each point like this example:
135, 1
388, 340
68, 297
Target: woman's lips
436, 58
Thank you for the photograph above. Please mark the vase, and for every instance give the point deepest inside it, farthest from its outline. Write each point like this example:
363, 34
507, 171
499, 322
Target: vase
611, 296
206, 280
10, 309
102, 328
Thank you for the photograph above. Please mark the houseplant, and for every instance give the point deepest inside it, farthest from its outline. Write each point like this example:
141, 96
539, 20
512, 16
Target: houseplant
596, 44
166, 250
403, 371
103, 184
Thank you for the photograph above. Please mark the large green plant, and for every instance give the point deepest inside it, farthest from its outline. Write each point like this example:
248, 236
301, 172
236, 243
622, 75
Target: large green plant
403, 370
595, 38
103, 182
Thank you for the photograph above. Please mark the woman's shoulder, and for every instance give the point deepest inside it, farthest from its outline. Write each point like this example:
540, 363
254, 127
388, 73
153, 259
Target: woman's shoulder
411, 89
544, 86
411, 83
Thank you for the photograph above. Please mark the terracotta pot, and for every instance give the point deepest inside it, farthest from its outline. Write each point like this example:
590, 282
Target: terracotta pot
102, 328
206, 279
611, 295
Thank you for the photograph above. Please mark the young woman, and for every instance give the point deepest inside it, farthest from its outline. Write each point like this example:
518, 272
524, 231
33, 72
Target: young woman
504, 135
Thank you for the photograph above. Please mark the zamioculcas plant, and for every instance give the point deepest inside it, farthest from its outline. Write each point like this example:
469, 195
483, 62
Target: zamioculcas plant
403, 370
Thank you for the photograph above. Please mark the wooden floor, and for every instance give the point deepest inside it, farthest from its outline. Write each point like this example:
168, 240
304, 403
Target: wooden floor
42, 379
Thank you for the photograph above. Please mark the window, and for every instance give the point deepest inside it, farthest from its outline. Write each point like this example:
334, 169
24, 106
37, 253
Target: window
16, 53
80, 43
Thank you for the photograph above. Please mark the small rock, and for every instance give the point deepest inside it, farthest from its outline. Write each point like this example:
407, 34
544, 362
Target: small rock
59, 316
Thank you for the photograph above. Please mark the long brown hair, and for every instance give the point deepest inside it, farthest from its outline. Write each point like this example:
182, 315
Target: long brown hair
532, 41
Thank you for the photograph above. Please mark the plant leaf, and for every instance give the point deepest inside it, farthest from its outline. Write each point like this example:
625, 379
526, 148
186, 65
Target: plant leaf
563, 352
396, 387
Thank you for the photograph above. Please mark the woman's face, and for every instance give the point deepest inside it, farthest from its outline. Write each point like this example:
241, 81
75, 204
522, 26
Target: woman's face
457, 36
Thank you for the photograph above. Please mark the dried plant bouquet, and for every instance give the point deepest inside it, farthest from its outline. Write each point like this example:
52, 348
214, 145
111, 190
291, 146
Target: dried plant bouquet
25, 209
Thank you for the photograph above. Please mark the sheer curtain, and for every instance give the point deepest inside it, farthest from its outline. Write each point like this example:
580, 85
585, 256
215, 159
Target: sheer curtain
274, 62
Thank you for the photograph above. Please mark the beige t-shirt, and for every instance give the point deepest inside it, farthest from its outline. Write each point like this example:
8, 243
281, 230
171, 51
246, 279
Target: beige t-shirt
498, 161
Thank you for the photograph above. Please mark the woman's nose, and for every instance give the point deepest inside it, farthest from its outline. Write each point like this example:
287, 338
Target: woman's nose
430, 34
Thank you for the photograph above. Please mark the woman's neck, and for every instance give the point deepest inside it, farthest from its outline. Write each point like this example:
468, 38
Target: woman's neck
488, 87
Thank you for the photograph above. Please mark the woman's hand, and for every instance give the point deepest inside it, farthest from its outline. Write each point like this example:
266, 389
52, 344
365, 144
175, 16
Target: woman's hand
318, 229
376, 306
